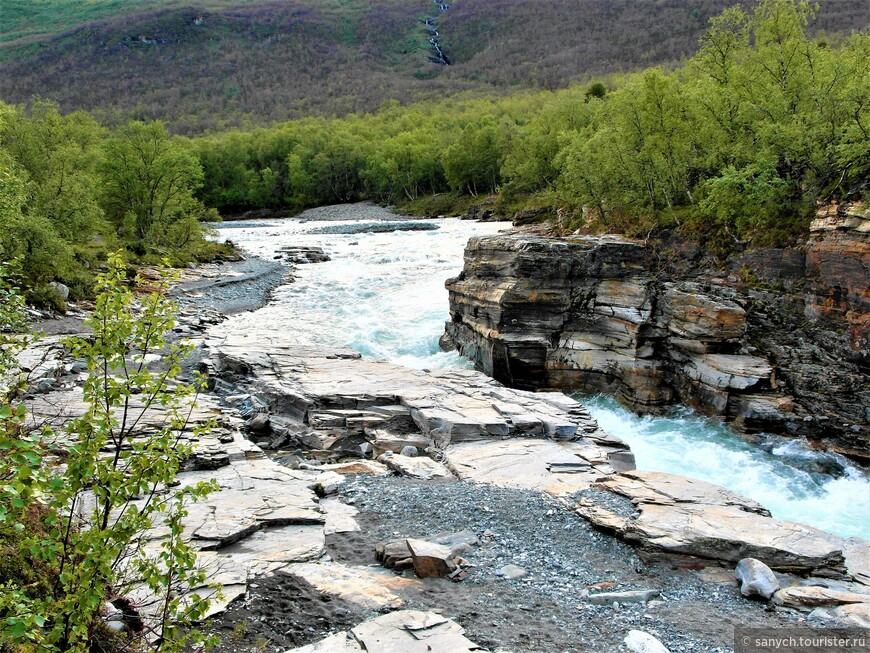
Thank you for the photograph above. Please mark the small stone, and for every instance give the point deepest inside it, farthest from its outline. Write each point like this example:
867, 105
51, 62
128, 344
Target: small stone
409, 451
512, 572
636, 596
756, 579
638, 641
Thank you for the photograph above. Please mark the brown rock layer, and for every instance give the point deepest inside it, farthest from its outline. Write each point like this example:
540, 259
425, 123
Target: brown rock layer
776, 343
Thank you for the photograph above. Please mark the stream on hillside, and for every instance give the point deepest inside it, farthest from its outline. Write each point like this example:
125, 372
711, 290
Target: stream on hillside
383, 295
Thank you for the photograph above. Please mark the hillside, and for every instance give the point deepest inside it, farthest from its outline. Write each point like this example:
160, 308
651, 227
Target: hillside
208, 65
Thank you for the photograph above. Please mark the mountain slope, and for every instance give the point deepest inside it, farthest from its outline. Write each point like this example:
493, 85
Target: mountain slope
206, 65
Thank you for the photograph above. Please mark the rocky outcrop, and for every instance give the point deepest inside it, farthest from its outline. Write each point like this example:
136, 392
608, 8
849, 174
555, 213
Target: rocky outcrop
340, 402
678, 515
777, 343
483, 432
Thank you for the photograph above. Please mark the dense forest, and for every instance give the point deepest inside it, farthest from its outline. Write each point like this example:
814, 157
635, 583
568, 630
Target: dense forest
742, 140
205, 66
734, 148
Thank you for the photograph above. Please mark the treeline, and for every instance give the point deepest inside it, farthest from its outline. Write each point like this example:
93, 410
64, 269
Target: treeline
737, 145
71, 191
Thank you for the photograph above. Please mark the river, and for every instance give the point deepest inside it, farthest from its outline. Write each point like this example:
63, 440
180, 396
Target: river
383, 295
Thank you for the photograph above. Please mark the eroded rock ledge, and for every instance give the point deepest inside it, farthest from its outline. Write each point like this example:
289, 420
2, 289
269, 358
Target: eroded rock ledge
333, 401
777, 343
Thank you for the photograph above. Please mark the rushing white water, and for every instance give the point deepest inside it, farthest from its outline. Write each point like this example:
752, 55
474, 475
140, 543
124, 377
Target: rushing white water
383, 295
785, 476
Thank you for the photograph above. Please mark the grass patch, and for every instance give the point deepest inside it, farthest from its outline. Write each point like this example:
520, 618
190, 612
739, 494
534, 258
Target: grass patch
447, 204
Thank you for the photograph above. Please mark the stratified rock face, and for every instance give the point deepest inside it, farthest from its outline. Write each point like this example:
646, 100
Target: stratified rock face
779, 343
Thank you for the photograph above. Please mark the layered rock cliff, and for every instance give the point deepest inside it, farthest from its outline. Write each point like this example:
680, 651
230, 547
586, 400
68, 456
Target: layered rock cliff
776, 342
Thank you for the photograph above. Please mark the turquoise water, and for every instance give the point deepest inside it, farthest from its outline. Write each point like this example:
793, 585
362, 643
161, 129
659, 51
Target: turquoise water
783, 475
383, 295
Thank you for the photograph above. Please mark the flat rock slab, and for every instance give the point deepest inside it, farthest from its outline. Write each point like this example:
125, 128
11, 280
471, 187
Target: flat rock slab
642, 486
405, 631
526, 463
857, 552
411, 631
416, 467
631, 596
810, 596
338, 643
340, 517
272, 549
254, 494
374, 589
680, 515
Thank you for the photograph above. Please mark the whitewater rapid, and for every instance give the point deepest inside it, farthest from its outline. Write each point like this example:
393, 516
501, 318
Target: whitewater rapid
383, 295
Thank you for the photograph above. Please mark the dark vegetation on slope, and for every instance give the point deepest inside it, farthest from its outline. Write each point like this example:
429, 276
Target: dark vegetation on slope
549, 43
205, 66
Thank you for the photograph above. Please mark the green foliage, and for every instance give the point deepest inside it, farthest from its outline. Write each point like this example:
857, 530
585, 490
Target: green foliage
59, 155
762, 123
473, 162
82, 523
70, 191
148, 184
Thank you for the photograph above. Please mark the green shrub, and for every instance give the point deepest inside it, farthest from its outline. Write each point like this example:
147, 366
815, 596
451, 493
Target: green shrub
76, 526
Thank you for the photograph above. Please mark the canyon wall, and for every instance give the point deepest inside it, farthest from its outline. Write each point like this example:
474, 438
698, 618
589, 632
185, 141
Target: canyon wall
776, 340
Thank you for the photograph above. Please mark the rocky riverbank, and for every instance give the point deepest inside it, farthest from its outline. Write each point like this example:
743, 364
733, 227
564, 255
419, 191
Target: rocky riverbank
322, 458
777, 342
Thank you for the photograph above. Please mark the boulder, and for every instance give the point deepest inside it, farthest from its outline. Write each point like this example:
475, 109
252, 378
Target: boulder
756, 579
611, 315
431, 560
638, 641
60, 290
